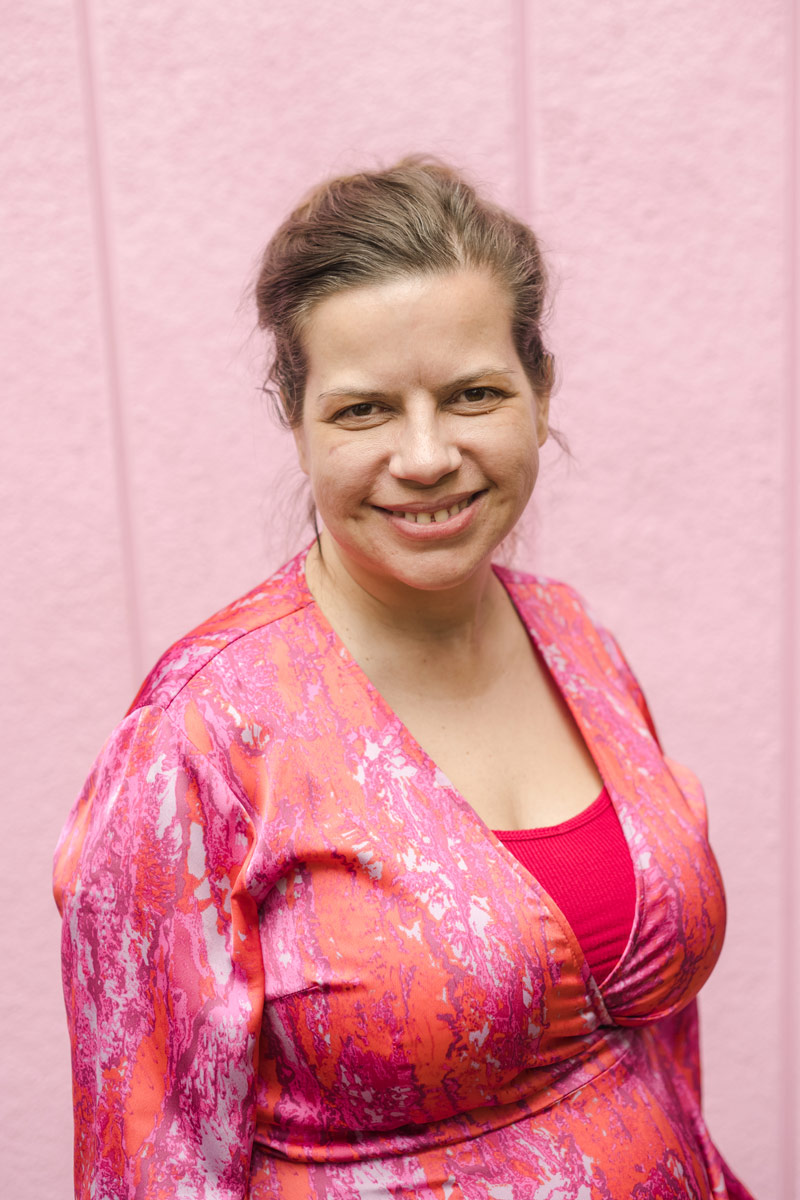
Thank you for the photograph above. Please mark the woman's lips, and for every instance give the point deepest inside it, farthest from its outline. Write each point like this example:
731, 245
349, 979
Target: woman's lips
448, 517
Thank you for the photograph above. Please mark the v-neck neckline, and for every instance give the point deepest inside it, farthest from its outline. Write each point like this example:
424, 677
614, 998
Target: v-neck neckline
416, 752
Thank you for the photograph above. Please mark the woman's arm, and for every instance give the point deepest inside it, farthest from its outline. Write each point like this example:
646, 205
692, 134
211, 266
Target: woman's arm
162, 970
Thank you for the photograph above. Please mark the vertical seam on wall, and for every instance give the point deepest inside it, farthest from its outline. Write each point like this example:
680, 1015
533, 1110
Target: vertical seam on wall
791, 646
521, 101
109, 332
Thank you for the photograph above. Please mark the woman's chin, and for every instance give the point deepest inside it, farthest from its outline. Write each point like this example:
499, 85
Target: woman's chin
429, 570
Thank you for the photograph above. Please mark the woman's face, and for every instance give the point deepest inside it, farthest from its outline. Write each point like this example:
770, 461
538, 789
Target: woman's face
420, 430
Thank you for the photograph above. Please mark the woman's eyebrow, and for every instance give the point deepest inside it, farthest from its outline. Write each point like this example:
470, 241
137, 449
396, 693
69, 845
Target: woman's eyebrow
473, 377
351, 393
462, 381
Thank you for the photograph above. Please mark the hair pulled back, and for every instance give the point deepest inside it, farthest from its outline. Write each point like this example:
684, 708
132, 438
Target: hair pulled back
418, 217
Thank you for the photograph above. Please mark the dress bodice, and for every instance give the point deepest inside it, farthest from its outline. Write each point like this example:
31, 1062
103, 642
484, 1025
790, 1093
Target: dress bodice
365, 971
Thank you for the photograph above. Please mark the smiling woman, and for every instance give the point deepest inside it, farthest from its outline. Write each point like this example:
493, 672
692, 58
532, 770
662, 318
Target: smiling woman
429, 428
384, 886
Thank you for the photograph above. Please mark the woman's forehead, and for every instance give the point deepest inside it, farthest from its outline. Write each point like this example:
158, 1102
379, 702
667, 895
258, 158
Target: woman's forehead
417, 326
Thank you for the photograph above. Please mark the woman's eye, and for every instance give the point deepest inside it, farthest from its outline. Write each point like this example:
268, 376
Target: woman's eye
479, 395
358, 411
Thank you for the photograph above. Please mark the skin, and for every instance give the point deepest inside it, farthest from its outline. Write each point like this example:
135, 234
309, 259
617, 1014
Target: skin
416, 400
420, 438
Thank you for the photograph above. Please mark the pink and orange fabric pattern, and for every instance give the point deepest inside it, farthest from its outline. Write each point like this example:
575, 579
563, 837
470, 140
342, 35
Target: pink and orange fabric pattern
298, 965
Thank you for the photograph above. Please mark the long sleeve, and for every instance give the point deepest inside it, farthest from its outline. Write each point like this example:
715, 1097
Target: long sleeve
162, 970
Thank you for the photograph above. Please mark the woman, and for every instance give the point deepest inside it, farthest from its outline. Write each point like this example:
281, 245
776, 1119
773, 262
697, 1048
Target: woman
384, 885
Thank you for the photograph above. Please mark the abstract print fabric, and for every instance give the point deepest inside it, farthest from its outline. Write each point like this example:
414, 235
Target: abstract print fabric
298, 965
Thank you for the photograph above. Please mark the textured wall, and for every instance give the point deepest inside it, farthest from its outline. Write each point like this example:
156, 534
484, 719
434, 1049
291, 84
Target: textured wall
151, 148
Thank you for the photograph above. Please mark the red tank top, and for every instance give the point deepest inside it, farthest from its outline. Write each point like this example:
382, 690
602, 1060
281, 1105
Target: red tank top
585, 865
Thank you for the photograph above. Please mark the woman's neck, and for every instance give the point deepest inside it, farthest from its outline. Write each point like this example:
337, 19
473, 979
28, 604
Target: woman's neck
363, 607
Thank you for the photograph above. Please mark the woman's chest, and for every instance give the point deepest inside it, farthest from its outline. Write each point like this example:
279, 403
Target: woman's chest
513, 751
404, 949
411, 971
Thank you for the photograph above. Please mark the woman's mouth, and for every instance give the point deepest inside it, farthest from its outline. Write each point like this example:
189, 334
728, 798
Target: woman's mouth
437, 517
448, 517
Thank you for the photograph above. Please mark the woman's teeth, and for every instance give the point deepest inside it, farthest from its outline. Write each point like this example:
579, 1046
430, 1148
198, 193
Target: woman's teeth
441, 514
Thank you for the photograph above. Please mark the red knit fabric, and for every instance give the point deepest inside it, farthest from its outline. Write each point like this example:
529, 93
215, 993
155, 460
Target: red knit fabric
585, 866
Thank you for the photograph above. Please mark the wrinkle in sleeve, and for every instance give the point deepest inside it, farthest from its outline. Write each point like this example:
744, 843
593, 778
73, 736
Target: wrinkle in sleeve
162, 970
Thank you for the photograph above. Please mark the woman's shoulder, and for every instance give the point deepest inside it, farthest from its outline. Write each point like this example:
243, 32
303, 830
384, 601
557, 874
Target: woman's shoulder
549, 593
566, 620
268, 604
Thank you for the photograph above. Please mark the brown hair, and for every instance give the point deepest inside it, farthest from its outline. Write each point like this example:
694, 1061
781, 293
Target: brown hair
418, 217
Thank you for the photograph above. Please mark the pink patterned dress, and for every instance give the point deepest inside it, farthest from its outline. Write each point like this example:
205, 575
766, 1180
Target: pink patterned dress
298, 965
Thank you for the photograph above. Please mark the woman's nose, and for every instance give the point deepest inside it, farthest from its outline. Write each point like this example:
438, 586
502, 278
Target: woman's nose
424, 451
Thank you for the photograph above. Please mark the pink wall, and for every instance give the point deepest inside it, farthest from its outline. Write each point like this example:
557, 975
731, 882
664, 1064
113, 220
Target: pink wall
151, 149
